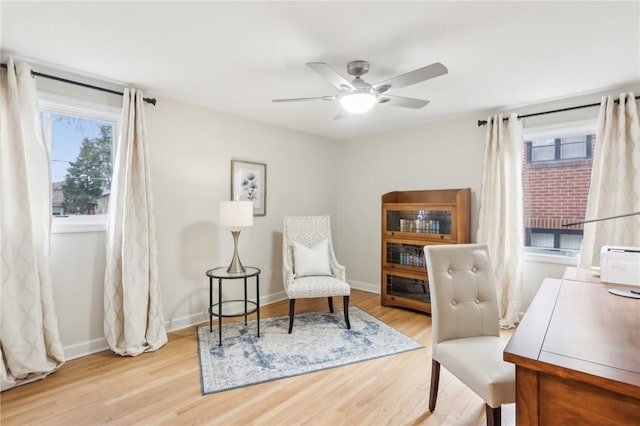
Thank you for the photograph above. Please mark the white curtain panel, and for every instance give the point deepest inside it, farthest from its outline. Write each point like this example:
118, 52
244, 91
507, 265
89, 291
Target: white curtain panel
133, 320
615, 180
501, 216
30, 341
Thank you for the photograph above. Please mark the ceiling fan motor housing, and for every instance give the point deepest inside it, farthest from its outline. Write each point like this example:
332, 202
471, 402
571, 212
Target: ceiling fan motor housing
358, 68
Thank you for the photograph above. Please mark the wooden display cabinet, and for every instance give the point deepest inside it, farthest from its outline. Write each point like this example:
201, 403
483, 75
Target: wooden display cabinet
410, 221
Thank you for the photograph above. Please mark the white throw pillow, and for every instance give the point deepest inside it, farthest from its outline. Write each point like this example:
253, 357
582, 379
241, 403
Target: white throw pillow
309, 261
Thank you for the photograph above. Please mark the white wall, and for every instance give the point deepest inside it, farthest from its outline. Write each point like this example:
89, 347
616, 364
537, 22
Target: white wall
436, 156
77, 267
190, 150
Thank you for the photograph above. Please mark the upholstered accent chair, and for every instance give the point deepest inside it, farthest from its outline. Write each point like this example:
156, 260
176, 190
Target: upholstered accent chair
465, 329
309, 265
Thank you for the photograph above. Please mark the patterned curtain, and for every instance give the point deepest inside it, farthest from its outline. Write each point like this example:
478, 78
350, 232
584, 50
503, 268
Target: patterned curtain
30, 344
501, 212
133, 320
615, 180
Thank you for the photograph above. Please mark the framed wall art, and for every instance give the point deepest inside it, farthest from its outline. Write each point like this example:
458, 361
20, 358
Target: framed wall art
249, 183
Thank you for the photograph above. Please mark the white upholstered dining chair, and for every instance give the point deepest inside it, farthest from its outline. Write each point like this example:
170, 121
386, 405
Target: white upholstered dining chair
309, 265
465, 329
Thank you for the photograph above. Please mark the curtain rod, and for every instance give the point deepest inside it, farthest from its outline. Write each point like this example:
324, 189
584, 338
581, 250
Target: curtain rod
152, 101
483, 122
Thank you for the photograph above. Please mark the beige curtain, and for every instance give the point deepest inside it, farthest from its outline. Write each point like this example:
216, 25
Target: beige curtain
133, 320
29, 339
501, 218
615, 180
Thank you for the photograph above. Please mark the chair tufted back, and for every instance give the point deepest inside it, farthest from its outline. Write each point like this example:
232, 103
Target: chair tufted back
463, 293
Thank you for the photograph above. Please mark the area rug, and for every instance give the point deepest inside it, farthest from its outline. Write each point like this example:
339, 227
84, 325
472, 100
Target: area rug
319, 341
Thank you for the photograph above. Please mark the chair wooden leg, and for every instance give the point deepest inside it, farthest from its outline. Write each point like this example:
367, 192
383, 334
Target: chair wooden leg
330, 304
292, 305
435, 380
494, 415
346, 311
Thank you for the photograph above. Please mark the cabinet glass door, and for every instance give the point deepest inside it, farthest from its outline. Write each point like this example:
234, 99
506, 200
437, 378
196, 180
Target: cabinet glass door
399, 253
430, 223
407, 287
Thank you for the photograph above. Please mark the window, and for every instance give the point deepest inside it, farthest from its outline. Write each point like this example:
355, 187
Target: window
80, 137
558, 149
556, 172
562, 239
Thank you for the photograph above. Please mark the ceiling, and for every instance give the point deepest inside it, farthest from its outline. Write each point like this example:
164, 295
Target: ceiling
238, 56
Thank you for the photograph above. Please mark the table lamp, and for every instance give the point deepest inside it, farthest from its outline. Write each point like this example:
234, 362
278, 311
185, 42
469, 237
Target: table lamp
236, 214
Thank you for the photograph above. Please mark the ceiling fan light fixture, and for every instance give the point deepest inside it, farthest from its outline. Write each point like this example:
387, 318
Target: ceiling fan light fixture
359, 97
358, 102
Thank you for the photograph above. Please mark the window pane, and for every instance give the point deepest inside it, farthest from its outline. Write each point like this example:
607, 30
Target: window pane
574, 139
543, 142
573, 147
80, 164
570, 241
540, 239
543, 150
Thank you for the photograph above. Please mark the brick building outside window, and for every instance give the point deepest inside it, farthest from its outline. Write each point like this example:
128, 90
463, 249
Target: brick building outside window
556, 172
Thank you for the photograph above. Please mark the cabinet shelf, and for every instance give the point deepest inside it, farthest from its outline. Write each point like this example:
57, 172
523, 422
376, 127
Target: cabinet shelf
411, 220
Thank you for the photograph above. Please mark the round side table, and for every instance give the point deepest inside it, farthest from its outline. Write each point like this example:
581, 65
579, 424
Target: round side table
224, 308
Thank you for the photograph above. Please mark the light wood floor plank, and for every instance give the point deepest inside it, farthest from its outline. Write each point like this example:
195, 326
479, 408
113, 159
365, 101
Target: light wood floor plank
163, 387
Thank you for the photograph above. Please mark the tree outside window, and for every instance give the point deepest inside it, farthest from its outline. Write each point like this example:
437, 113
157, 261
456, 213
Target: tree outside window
80, 137
88, 178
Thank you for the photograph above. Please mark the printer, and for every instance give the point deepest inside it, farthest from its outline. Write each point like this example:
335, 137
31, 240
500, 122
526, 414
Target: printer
620, 265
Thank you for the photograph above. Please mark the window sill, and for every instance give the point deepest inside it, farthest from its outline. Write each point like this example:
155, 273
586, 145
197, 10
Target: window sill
67, 225
561, 257
565, 162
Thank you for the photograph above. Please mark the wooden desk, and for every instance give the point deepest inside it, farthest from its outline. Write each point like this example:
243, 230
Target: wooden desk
577, 356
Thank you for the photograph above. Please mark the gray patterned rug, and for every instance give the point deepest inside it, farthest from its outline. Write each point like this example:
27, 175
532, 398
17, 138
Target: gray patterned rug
319, 341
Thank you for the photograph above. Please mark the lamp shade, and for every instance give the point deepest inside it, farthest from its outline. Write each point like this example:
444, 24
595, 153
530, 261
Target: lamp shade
236, 213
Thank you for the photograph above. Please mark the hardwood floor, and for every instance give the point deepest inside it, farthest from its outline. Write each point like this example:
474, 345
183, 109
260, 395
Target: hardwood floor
163, 387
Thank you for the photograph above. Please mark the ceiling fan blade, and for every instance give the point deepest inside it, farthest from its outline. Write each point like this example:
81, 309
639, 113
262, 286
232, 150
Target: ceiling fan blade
401, 101
412, 77
330, 74
317, 98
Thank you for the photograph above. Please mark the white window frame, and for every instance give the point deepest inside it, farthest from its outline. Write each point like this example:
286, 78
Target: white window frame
560, 129
57, 104
553, 255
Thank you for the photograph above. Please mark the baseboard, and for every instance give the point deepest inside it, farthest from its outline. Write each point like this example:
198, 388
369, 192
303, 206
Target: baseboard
85, 348
180, 323
273, 298
79, 350
361, 285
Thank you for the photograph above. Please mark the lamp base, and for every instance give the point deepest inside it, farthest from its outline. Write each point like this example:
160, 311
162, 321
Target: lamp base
236, 266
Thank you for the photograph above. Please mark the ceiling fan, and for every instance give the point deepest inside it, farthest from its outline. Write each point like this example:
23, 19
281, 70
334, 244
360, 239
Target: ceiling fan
358, 96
